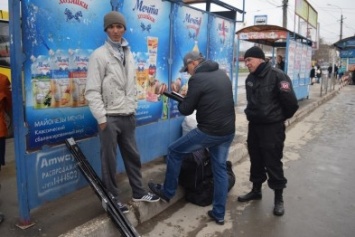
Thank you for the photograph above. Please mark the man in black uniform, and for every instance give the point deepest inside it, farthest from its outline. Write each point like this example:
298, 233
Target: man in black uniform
270, 101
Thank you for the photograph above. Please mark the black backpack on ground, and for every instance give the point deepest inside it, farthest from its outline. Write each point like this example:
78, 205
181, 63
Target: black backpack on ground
197, 179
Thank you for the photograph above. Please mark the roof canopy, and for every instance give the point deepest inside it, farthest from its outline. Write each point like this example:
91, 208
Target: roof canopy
230, 13
271, 35
347, 43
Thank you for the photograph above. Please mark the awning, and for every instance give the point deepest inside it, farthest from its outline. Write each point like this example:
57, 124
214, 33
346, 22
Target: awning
271, 35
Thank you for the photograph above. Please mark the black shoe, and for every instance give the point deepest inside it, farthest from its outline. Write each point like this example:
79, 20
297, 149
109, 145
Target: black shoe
218, 221
252, 195
2, 217
157, 189
123, 208
279, 209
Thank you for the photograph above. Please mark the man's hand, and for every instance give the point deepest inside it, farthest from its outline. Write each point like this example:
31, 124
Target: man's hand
102, 126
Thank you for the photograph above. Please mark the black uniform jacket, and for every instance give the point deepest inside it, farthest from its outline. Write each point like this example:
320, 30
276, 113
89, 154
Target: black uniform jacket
210, 94
270, 96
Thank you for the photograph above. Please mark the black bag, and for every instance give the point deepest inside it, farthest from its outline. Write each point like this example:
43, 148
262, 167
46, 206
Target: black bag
197, 179
195, 168
231, 175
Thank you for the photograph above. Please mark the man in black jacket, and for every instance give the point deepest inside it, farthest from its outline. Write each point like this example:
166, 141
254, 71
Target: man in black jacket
270, 101
210, 94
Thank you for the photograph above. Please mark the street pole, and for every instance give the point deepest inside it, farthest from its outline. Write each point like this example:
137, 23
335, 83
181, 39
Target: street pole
341, 26
341, 20
284, 13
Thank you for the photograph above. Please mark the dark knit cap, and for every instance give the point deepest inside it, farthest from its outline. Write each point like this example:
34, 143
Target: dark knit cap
114, 18
254, 52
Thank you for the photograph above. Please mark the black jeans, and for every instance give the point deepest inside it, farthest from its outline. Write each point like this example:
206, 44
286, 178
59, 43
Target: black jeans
265, 146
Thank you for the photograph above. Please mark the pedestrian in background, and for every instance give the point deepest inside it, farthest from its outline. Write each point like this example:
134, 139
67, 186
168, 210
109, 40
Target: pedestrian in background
210, 94
5, 108
280, 64
111, 94
336, 69
312, 75
270, 101
353, 76
330, 69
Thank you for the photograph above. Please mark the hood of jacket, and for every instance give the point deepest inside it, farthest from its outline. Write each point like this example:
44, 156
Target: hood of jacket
207, 66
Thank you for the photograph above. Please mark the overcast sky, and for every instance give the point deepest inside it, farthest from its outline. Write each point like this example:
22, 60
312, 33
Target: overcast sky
328, 16
3, 4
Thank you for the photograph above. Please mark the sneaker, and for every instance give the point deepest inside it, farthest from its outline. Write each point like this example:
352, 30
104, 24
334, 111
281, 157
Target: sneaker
157, 189
149, 197
212, 216
124, 209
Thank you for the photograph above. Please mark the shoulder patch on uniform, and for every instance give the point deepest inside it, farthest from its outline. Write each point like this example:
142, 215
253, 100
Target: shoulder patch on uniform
285, 86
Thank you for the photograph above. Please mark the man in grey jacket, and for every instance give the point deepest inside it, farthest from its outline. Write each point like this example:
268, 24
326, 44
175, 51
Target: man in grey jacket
111, 94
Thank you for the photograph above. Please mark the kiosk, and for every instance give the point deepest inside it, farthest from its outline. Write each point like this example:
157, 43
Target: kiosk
346, 48
297, 50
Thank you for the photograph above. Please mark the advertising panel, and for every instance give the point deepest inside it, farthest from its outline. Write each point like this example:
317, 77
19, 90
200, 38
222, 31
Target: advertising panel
190, 34
58, 45
297, 64
303, 73
291, 60
149, 36
347, 53
221, 40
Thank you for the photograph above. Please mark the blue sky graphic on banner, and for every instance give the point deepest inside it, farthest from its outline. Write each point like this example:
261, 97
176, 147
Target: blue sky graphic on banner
221, 42
58, 45
190, 34
148, 33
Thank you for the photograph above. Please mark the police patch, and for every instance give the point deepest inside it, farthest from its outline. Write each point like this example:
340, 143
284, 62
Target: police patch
285, 86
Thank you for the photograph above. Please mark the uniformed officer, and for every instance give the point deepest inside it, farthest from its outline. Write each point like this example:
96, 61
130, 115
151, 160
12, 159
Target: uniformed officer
270, 101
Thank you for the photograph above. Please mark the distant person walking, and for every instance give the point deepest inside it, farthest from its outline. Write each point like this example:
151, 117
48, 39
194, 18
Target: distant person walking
280, 64
270, 101
312, 75
330, 70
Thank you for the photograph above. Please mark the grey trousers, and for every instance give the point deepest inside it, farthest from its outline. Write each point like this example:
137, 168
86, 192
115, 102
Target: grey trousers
120, 130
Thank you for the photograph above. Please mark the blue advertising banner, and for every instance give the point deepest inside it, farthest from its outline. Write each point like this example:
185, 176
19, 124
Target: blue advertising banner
348, 53
58, 45
190, 34
148, 34
221, 41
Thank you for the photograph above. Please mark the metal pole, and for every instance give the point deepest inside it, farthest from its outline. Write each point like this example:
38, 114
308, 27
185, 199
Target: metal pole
16, 57
341, 26
284, 13
341, 20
